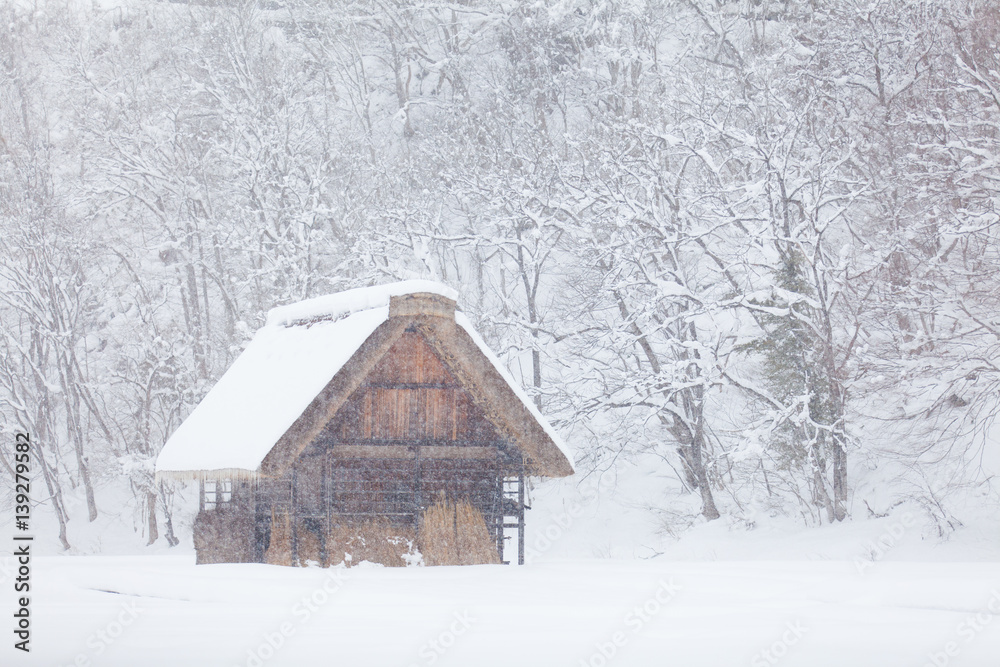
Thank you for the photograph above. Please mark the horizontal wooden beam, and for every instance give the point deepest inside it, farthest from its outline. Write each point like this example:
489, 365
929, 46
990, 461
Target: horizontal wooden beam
411, 385
330, 441
410, 452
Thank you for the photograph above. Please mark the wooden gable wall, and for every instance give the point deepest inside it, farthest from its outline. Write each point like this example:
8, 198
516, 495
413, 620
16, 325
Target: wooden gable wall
410, 396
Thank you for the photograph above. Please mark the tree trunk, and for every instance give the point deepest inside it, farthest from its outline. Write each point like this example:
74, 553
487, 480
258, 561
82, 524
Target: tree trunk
168, 518
81, 464
154, 532
708, 509
55, 495
839, 480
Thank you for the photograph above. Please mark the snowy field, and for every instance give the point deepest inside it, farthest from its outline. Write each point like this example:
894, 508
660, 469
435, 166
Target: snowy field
165, 611
602, 589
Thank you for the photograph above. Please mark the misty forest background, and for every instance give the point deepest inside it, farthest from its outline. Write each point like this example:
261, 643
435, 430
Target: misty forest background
754, 242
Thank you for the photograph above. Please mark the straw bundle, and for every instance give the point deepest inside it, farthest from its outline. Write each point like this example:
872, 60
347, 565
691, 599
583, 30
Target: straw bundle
373, 540
222, 537
307, 546
279, 551
455, 534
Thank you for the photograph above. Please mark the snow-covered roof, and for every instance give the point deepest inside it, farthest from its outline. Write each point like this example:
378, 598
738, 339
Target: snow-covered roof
265, 390
283, 370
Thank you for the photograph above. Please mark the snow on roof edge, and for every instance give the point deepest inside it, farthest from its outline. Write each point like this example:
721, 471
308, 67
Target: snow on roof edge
463, 321
342, 304
214, 473
263, 393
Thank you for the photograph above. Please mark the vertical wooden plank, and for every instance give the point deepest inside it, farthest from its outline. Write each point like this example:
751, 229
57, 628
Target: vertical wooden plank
429, 403
454, 414
398, 411
427, 413
369, 413
420, 358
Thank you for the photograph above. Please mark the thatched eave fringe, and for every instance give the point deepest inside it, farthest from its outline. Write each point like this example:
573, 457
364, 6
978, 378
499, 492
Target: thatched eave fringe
200, 475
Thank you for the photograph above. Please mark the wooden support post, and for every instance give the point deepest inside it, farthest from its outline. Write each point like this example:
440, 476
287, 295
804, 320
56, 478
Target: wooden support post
497, 516
520, 516
255, 545
324, 499
294, 520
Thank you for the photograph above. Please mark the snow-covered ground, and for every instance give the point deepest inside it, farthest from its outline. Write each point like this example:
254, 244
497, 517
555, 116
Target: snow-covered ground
165, 611
604, 587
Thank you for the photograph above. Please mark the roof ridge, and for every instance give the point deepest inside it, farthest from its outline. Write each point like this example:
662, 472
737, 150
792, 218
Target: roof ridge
336, 306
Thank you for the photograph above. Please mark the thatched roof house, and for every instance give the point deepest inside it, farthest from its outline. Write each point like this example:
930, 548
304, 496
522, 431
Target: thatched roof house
356, 412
